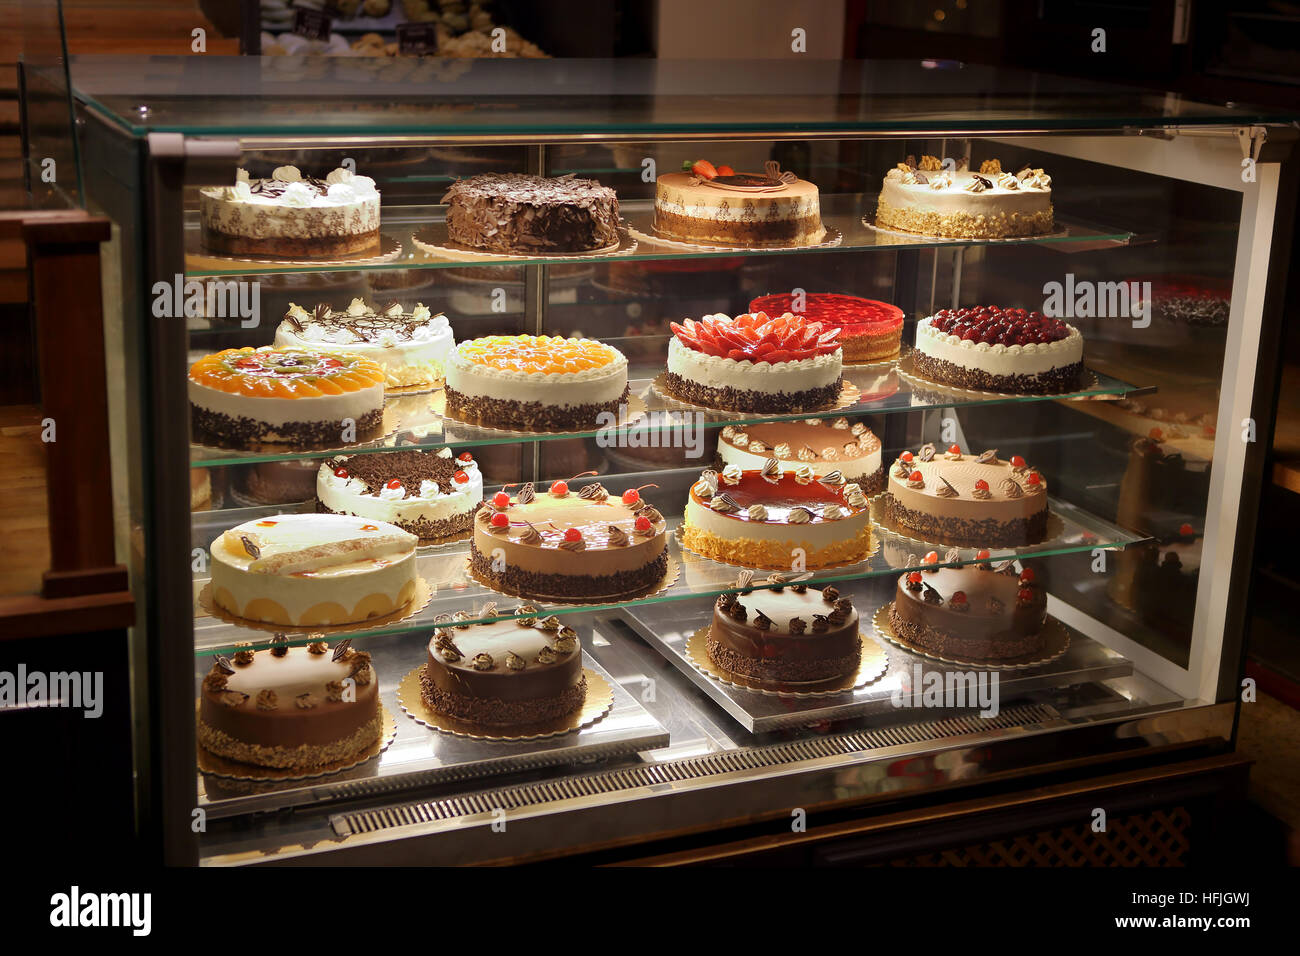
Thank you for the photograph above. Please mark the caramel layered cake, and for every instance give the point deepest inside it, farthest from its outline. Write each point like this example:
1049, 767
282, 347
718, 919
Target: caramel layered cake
535, 382
754, 363
999, 350
292, 215
291, 707
718, 205
821, 445
970, 613
298, 396
960, 499
504, 673
870, 331
583, 543
430, 494
785, 634
777, 518
411, 347
306, 570
516, 213
281, 482
990, 204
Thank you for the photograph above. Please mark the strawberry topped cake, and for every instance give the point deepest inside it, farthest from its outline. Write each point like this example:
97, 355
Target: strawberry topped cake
870, 331
755, 363
988, 348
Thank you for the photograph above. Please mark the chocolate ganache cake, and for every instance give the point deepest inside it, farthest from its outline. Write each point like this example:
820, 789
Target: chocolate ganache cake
516, 213
970, 613
785, 634
504, 673
290, 707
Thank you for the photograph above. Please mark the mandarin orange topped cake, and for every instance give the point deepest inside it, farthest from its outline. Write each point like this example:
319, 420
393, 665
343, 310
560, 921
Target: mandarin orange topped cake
300, 396
543, 382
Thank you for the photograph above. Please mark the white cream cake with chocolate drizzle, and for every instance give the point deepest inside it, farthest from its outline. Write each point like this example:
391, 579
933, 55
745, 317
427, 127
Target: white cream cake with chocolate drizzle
991, 204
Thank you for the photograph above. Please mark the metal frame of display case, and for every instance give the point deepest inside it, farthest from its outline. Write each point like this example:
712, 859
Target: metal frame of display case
1158, 712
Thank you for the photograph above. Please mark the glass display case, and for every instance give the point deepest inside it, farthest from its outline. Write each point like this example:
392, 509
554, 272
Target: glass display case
1161, 254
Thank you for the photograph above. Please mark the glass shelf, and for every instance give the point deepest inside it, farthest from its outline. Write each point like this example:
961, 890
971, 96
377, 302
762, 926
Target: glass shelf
840, 211
445, 570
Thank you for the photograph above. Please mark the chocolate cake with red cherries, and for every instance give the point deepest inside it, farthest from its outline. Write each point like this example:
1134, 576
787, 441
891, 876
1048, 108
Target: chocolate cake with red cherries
785, 634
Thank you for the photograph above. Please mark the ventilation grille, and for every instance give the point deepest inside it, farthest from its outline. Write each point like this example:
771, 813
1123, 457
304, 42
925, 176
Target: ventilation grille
688, 768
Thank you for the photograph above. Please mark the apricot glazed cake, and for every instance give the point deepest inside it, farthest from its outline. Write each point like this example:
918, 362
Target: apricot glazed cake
430, 494
783, 634
542, 382
820, 445
870, 331
755, 363
990, 204
987, 348
709, 204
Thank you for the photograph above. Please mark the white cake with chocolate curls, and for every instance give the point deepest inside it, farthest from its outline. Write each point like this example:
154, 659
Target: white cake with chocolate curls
990, 204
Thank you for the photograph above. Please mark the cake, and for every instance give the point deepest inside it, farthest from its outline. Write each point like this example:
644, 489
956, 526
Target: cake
411, 347
870, 331
717, 205
562, 543
431, 495
1197, 301
972, 613
516, 213
824, 446
785, 634
298, 396
995, 350
961, 499
535, 382
1158, 578
289, 215
200, 489
504, 673
754, 363
777, 518
306, 570
990, 204
281, 482
292, 708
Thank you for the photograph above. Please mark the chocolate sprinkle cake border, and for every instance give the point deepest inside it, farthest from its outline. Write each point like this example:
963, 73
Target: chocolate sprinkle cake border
1060, 380
528, 416
215, 428
589, 587
960, 532
743, 400
495, 712
787, 671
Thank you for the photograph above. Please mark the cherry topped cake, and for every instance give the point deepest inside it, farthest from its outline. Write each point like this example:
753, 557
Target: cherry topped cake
430, 494
755, 363
991, 349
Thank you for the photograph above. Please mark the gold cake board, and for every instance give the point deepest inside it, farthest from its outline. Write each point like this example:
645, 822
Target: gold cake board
435, 240
871, 666
1056, 641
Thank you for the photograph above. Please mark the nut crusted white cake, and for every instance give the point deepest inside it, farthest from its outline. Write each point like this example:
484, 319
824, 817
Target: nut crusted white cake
990, 204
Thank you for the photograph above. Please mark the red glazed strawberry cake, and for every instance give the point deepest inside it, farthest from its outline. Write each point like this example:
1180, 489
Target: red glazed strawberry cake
755, 363
999, 350
870, 331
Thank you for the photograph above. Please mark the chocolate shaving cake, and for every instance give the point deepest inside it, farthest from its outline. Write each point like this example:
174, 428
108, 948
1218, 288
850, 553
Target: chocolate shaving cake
516, 213
785, 634
430, 494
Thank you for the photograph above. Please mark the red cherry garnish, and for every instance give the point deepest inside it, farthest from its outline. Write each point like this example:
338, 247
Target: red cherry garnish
500, 520
501, 499
642, 523
395, 483
1186, 530
982, 555
931, 558
958, 597
914, 577
1156, 434
916, 476
1034, 478
460, 477
631, 496
954, 450
1025, 595
906, 456
560, 489
340, 473
572, 534
981, 484
1017, 461
1027, 575
464, 456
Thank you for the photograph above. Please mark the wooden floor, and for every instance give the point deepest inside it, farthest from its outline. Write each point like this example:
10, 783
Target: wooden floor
23, 522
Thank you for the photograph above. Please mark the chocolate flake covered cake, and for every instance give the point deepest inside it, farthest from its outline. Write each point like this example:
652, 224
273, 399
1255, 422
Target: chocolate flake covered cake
430, 494
516, 213
785, 634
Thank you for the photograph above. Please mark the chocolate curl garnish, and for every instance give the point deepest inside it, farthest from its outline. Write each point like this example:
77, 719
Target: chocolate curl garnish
953, 556
293, 320
341, 650
902, 471
253, 550
926, 452
1011, 488
832, 480
837, 618
551, 623
322, 312
989, 457
821, 624
830, 595
593, 492
762, 621
744, 578
617, 537
527, 494
725, 601
724, 502
947, 490
772, 470
460, 619
489, 610
566, 645
844, 604
443, 618
806, 454
737, 611
567, 632
799, 588
1005, 567
576, 545
929, 595
279, 645
798, 625
532, 535
547, 655
514, 662
482, 661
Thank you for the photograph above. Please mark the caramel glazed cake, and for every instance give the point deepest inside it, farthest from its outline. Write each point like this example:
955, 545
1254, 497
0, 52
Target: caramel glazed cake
771, 208
431, 495
785, 634
989, 204
290, 707
824, 446
959, 499
504, 673
564, 544
289, 215
515, 213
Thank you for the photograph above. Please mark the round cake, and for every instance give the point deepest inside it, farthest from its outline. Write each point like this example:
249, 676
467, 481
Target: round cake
754, 363
504, 673
516, 213
307, 570
785, 634
583, 543
987, 348
289, 215
824, 446
718, 205
200, 489
430, 494
297, 396
970, 613
535, 382
967, 500
1158, 579
870, 331
778, 519
290, 707
411, 347
281, 482
989, 204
